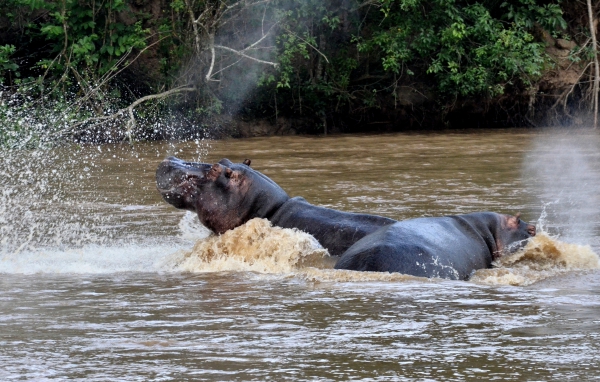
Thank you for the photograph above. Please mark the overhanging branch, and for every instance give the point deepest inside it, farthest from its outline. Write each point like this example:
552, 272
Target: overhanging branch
241, 53
95, 121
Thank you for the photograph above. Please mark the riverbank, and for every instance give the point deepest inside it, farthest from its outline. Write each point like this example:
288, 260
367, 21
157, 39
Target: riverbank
148, 70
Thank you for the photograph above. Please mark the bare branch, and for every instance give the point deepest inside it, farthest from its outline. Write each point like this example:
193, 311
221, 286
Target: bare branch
199, 19
88, 92
262, 38
262, 23
194, 25
227, 67
129, 109
235, 5
211, 40
368, 3
563, 97
241, 53
112, 73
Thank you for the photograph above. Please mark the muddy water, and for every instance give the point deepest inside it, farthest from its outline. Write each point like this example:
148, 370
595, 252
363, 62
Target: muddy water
101, 280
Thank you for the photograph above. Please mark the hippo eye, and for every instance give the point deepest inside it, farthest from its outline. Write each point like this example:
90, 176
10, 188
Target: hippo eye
228, 172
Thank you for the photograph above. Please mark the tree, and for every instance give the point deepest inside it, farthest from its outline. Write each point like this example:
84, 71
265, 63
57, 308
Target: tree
594, 22
334, 64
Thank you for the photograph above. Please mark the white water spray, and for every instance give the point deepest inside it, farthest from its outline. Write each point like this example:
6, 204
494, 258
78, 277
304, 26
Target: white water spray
76, 199
563, 169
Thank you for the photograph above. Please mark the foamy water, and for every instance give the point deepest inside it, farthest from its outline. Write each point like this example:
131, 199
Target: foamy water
256, 246
259, 247
541, 258
88, 259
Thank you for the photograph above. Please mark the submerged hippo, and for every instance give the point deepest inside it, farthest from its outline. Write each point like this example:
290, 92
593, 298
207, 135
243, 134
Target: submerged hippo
450, 247
225, 195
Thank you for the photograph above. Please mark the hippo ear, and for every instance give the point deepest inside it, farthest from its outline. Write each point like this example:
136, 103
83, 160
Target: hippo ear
247, 162
513, 221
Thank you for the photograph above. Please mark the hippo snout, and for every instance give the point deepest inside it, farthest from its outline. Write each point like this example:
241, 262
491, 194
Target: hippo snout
167, 174
172, 172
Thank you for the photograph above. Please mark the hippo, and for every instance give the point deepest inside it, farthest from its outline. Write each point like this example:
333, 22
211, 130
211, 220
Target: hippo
226, 195
449, 247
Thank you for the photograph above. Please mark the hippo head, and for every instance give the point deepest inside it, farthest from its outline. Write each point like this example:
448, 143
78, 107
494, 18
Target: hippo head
225, 195
512, 234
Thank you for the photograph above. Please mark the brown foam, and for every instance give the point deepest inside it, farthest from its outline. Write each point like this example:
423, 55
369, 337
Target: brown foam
255, 247
542, 257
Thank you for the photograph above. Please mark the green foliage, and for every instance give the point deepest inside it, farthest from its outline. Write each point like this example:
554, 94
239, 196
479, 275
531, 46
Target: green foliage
460, 48
84, 35
6, 64
341, 57
468, 51
528, 12
316, 58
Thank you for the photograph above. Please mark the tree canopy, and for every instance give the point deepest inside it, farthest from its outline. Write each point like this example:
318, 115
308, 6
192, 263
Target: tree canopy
342, 65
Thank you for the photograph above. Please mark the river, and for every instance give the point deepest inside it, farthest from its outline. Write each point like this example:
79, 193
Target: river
102, 280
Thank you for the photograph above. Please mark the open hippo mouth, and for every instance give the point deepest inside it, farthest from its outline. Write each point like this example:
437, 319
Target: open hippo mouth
177, 180
173, 172
224, 195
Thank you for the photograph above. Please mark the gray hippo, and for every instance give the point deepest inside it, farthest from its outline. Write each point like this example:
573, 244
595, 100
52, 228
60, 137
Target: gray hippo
225, 195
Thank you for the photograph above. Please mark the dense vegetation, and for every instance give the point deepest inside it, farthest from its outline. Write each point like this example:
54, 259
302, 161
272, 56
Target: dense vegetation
112, 69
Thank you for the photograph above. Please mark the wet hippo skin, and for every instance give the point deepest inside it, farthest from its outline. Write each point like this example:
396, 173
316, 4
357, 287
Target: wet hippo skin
225, 195
449, 247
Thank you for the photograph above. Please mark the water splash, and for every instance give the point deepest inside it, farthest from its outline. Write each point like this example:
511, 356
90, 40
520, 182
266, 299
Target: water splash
256, 246
35, 207
191, 229
78, 195
30, 121
88, 259
541, 258
563, 169
259, 247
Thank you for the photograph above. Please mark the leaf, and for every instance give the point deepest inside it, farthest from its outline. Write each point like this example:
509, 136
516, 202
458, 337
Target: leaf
52, 30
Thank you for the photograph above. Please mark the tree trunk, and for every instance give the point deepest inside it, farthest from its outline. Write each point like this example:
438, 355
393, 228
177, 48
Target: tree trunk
596, 66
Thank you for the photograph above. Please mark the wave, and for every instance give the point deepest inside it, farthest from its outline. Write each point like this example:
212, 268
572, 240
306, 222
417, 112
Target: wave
542, 257
260, 248
256, 246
